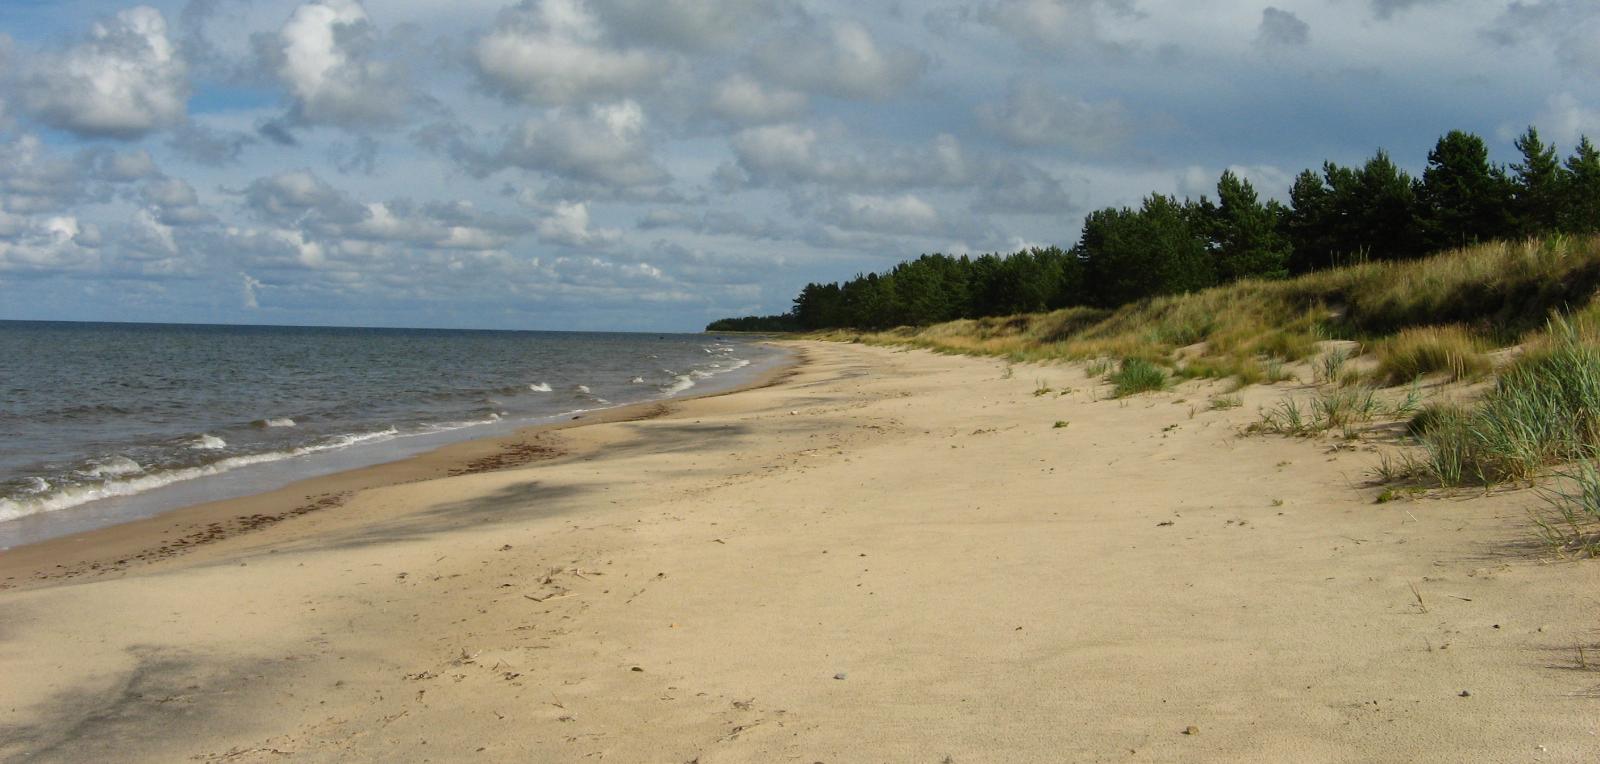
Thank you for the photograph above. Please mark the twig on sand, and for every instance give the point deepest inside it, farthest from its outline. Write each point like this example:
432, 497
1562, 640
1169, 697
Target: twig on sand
1418, 595
556, 596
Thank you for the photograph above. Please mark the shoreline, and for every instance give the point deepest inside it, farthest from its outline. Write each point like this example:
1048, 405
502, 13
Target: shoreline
888, 555
177, 531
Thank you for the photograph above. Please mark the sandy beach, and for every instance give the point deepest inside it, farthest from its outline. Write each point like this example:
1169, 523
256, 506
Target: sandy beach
882, 556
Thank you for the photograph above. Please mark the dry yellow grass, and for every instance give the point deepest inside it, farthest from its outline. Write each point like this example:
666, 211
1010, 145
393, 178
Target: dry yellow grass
1497, 293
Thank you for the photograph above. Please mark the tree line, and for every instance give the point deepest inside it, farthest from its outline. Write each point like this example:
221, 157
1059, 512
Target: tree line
1337, 216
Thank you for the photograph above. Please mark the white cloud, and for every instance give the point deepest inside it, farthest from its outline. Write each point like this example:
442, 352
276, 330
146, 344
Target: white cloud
740, 98
840, 58
174, 202
324, 58
1566, 119
249, 287
124, 81
603, 144
551, 51
1033, 115
55, 243
568, 225
904, 213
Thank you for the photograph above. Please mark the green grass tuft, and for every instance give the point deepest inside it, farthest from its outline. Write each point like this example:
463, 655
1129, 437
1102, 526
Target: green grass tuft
1137, 375
1543, 410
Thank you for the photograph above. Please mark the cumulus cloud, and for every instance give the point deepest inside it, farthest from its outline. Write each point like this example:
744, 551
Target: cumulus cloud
1033, 115
296, 195
325, 56
797, 158
552, 52
36, 180
740, 98
311, 224
55, 243
840, 58
124, 81
568, 225
1569, 27
173, 202
1282, 29
689, 25
1056, 26
902, 213
1566, 119
602, 145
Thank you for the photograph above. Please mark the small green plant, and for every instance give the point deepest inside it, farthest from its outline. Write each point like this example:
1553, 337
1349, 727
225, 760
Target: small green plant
1330, 365
1225, 402
1276, 371
1410, 403
1286, 418
1098, 367
1041, 388
1137, 375
1008, 372
1060, 424
1571, 520
1344, 407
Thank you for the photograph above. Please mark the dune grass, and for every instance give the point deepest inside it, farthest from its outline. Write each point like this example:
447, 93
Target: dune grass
1543, 410
1136, 375
1422, 350
1494, 294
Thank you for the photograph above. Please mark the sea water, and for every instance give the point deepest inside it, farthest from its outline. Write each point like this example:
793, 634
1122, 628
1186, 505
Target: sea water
101, 423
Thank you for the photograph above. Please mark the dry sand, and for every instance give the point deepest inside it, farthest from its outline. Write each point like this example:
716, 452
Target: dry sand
888, 556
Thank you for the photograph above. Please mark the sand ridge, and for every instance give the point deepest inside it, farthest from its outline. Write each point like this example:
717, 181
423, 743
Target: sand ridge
888, 556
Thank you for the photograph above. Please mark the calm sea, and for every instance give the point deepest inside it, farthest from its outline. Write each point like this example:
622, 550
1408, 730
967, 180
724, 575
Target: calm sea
100, 423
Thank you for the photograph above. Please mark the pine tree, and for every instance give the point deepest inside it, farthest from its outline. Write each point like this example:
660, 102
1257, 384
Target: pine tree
1248, 242
1465, 198
1540, 185
1581, 210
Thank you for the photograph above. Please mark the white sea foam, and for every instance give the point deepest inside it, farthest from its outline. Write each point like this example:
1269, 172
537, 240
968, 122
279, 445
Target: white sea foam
637, 380
73, 496
37, 485
208, 442
116, 466
277, 421
448, 426
583, 389
542, 387
680, 383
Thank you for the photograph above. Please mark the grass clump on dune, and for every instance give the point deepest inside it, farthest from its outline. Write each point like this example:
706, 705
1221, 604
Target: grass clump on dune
1543, 410
1430, 349
1136, 375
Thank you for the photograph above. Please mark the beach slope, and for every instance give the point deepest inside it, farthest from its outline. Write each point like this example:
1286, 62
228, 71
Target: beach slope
886, 556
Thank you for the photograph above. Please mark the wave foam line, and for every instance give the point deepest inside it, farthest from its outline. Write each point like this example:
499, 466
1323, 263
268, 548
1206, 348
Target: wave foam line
82, 494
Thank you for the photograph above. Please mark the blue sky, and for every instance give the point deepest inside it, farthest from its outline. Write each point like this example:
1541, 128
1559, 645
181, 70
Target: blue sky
654, 164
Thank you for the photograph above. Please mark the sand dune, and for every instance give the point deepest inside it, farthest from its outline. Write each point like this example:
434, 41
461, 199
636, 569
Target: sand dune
887, 556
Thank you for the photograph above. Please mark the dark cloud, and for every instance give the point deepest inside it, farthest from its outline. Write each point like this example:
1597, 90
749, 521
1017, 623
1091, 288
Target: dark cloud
1388, 9
1282, 29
